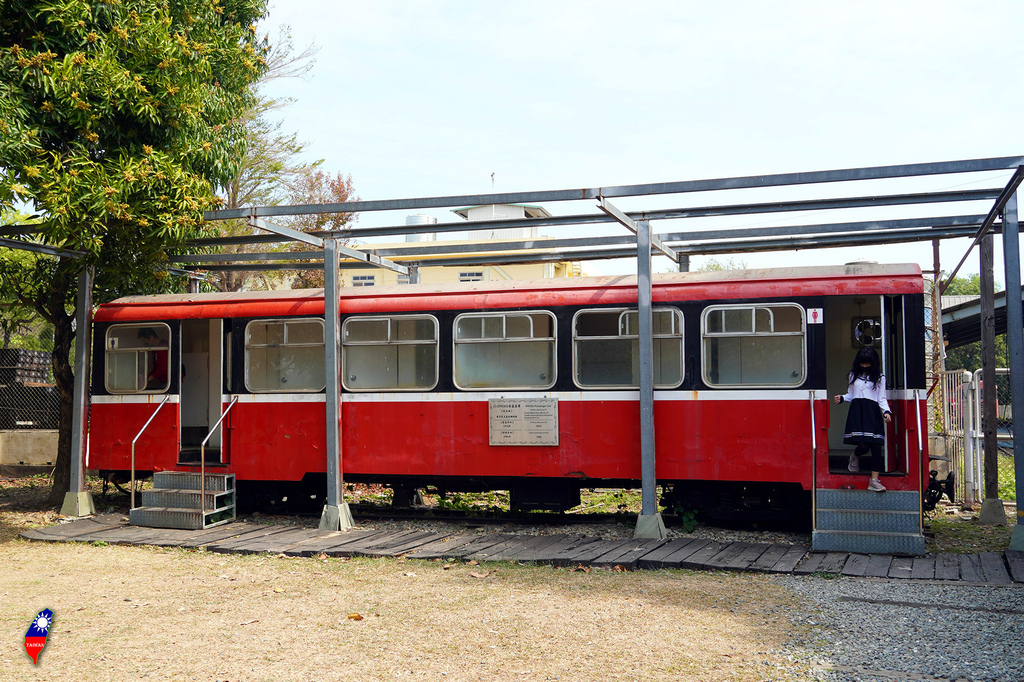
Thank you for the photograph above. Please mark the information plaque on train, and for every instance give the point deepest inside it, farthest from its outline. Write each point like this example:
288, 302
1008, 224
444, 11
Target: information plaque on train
523, 422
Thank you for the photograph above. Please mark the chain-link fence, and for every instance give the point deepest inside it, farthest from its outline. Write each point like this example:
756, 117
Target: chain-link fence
28, 397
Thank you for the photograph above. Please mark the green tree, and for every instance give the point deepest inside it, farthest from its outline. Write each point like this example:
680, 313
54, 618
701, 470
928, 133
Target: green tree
969, 356
319, 187
712, 264
272, 169
117, 120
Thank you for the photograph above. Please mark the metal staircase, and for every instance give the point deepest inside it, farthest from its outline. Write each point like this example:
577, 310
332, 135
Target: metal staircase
867, 522
176, 501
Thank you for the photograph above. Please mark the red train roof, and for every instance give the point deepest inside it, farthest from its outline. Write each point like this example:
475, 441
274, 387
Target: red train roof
538, 293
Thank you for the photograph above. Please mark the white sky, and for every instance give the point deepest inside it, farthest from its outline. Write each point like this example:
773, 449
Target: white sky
431, 98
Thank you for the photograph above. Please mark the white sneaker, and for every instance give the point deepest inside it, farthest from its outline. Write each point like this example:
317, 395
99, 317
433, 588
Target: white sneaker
876, 485
854, 464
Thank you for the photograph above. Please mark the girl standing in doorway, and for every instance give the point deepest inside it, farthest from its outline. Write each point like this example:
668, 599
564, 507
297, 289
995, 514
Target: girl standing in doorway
869, 413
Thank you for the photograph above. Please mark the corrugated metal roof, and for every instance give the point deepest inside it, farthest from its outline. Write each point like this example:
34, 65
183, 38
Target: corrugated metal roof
953, 301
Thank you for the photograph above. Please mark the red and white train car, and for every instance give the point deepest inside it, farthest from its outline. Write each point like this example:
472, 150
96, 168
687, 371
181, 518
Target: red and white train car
745, 364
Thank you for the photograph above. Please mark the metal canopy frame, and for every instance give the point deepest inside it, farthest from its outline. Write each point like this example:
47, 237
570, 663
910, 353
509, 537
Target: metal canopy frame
77, 501
677, 245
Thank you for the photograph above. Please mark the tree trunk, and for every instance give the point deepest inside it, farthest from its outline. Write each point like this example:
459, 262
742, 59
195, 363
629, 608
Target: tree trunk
63, 338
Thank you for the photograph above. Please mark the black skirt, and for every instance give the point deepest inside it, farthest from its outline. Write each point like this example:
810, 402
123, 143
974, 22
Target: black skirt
864, 424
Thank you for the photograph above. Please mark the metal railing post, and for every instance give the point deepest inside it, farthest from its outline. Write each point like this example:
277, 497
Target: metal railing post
814, 466
202, 463
139, 435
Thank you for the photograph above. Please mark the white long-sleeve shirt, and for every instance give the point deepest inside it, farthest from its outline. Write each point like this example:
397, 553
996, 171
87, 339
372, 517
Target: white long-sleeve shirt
862, 388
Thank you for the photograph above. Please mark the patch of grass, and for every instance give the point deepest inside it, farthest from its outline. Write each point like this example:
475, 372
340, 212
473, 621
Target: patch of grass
958, 535
609, 501
1007, 477
493, 502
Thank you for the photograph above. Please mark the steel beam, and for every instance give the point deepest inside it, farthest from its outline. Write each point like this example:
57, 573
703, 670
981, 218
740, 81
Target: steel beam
372, 259
997, 209
686, 186
287, 232
695, 249
660, 214
632, 226
40, 248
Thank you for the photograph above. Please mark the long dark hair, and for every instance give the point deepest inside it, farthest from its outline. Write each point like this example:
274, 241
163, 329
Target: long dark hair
874, 372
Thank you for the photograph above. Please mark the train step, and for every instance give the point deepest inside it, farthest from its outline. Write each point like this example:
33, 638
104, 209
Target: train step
186, 498
867, 522
177, 501
189, 480
179, 517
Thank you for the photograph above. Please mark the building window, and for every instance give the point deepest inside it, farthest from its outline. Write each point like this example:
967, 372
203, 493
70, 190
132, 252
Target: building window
404, 279
284, 356
472, 276
505, 350
754, 345
363, 280
389, 353
137, 358
606, 348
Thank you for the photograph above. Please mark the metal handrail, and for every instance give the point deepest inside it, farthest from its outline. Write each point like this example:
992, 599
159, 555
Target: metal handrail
920, 470
814, 466
137, 437
202, 463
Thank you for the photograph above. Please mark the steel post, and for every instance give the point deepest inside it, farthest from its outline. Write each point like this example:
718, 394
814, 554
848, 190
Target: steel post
649, 523
78, 501
1015, 344
336, 514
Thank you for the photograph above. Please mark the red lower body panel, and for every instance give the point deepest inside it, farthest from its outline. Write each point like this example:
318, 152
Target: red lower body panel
703, 440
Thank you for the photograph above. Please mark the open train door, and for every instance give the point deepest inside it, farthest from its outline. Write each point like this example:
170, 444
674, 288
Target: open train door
201, 380
894, 367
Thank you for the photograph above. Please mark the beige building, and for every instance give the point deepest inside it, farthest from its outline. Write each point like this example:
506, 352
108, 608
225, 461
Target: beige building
466, 273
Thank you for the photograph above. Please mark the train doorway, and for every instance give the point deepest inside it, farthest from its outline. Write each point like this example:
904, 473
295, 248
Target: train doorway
201, 363
851, 323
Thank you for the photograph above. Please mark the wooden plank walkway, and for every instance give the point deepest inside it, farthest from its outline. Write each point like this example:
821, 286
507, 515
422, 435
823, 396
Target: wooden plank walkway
994, 568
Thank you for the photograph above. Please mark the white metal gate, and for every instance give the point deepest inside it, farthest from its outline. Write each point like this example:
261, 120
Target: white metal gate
961, 415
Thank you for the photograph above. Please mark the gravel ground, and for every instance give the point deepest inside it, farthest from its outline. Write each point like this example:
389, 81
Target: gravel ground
870, 629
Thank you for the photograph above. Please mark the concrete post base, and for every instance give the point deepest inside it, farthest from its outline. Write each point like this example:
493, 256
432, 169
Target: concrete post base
78, 504
336, 518
1017, 541
650, 526
992, 512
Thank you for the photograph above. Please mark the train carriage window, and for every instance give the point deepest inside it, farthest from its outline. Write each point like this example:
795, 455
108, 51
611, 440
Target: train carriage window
606, 348
284, 356
759, 345
505, 350
389, 353
137, 357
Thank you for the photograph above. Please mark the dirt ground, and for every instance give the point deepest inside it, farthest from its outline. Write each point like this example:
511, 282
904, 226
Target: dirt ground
126, 613
132, 613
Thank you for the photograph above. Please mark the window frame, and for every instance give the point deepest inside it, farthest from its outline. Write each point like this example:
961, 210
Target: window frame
377, 318
704, 334
678, 322
285, 321
553, 340
108, 351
